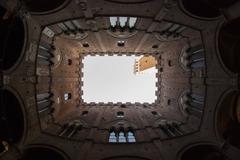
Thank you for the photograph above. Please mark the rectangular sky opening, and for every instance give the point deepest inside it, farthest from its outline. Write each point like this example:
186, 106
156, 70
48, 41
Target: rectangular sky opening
113, 79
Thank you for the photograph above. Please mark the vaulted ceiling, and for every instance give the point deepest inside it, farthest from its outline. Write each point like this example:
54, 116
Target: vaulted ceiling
195, 44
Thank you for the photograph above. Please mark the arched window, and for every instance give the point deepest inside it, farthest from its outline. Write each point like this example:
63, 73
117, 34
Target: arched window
196, 100
170, 31
120, 114
121, 137
120, 43
67, 96
123, 22
195, 104
154, 113
70, 27
113, 21
85, 44
69, 62
70, 129
171, 128
196, 57
131, 137
44, 102
193, 58
112, 137
132, 22
84, 113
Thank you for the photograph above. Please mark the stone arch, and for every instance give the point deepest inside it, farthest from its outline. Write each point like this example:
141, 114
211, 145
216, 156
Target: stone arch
129, 1
228, 119
44, 6
202, 152
201, 9
229, 45
221, 3
126, 158
12, 123
39, 152
191, 103
13, 36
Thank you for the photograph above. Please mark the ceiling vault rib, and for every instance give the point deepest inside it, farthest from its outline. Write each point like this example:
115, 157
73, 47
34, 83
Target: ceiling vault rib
99, 39
160, 15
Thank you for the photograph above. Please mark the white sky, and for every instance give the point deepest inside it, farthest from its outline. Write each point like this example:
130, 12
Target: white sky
111, 79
